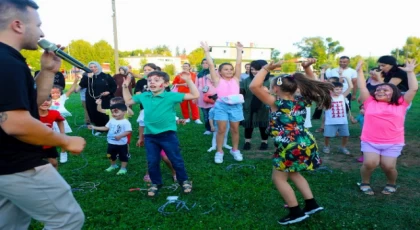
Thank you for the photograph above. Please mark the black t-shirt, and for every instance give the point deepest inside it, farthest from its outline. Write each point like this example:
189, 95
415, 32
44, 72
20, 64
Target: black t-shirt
141, 86
403, 86
17, 92
58, 79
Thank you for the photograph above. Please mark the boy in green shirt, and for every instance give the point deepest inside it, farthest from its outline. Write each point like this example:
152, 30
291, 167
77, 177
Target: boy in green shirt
160, 125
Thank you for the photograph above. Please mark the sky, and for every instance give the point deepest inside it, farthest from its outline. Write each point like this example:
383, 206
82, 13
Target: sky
363, 27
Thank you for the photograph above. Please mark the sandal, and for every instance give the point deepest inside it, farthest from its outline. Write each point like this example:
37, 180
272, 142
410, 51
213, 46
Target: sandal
365, 188
389, 189
319, 130
153, 190
187, 187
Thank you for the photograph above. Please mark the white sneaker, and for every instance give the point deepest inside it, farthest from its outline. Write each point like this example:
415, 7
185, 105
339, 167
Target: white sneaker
218, 158
236, 155
211, 149
187, 120
226, 146
198, 122
207, 133
98, 133
63, 157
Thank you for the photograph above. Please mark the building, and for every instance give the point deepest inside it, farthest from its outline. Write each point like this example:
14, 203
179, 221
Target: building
137, 62
249, 53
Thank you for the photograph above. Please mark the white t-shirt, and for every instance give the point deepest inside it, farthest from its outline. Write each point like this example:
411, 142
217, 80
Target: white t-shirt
59, 105
116, 127
337, 115
349, 72
244, 76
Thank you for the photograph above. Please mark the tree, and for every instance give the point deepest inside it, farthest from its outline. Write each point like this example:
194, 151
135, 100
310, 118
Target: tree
184, 51
195, 57
411, 50
81, 50
162, 50
33, 58
324, 50
289, 66
104, 53
275, 55
177, 53
143, 62
169, 69
124, 53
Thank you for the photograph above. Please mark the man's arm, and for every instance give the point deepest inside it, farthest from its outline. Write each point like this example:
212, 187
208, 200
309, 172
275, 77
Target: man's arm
44, 83
21, 125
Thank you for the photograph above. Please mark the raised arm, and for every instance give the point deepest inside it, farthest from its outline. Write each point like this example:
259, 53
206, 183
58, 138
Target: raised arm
99, 106
128, 98
361, 82
238, 65
307, 67
213, 74
350, 88
413, 85
73, 87
50, 64
257, 87
194, 93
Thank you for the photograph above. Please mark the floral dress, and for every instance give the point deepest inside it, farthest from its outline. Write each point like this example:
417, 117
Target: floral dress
296, 149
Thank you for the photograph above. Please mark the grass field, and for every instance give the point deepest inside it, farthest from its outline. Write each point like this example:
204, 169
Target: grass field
231, 197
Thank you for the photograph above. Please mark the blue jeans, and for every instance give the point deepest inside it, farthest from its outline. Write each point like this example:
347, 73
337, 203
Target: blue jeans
168, 141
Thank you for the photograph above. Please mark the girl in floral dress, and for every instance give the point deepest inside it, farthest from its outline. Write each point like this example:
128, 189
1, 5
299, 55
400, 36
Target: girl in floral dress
296, 149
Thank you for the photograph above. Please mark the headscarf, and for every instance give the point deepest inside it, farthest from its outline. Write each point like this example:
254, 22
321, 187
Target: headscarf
98, 66
124, 68
203, 72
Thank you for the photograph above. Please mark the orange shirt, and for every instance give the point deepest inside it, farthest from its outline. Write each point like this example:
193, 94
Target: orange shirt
178, 80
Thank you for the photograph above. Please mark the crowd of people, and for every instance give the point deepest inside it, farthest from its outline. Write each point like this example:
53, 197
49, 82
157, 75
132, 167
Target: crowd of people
278, 106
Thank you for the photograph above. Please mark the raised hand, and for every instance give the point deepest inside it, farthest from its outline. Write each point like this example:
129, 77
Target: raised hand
90, 75
99, 101
308, 62
127, 80
239, 47
205, 46
359, 65
272, 65
410, 65
185, 75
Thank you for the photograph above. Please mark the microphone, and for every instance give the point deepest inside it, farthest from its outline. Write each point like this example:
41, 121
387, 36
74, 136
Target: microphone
48, 46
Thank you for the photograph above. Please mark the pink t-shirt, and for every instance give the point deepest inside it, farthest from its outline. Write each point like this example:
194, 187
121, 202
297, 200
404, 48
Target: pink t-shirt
201, 83
384, 123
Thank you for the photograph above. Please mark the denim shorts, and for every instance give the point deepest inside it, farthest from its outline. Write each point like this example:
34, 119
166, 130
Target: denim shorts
331, 130
387, 150
226, 112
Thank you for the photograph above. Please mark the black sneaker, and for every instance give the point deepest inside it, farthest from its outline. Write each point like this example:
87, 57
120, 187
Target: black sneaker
313, 210
247, 146
289, 219
263, 146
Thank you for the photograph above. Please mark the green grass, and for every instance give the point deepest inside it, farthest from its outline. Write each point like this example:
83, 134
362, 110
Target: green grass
242, 198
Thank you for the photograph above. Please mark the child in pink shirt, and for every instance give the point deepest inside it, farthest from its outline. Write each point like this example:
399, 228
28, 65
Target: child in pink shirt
382, 137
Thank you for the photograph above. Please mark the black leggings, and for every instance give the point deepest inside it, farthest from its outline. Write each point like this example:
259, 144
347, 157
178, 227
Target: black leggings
248, 133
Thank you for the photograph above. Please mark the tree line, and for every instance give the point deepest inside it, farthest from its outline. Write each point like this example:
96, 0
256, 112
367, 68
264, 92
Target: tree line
326, 50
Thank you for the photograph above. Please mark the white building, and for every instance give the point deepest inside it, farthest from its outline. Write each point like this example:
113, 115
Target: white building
136, 62
249, 53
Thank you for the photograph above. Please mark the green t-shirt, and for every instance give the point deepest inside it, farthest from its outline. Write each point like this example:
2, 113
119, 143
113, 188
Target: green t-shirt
159, 111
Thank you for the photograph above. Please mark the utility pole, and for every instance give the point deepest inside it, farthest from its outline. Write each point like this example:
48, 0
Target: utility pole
114, 19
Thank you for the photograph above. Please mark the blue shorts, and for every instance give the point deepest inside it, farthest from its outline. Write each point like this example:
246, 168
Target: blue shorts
226, 112
331, 130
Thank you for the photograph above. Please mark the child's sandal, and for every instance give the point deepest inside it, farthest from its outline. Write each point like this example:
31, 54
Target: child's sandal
366, 188
187, 187
389, 189
153, 190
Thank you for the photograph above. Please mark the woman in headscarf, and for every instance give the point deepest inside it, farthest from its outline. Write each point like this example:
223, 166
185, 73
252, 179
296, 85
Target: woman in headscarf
206, 88
392, 74
99, 86
256, 114
120, 78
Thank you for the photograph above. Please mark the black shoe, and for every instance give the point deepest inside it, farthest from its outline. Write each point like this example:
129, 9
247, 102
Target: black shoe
247, 146
312, 210
263, 146
289, 219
